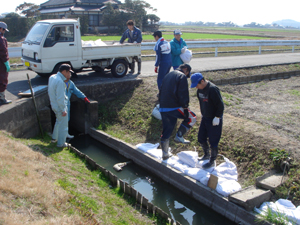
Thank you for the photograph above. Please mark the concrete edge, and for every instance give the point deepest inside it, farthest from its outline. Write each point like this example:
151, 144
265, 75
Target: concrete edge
188, 185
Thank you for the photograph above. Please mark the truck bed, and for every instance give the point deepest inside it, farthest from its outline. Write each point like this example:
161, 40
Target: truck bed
110, 51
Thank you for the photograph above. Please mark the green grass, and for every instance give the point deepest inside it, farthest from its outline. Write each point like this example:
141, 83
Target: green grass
170, 36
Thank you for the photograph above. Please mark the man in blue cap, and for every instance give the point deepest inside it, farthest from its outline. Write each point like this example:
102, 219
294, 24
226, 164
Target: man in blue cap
4, 64
212, 108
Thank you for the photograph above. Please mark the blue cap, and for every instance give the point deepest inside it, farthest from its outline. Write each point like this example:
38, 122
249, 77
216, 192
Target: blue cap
195, 78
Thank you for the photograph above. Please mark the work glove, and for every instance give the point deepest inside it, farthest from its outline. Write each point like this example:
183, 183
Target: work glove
86, 100
134, 42
216, 121
183, 49
7, 66
186, 113
156, 69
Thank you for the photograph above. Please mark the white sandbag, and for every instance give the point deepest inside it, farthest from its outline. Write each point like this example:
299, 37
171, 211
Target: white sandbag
188, 157
227, 187
226, 170
281, 207
199, 164
181, 167
186, 57
147, 146
156, 113
99, 42
197, 173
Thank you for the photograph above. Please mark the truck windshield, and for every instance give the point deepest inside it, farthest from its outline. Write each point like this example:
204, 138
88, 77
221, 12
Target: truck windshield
36, 33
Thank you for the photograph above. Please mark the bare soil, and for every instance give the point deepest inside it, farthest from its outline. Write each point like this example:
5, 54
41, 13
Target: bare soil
274, 104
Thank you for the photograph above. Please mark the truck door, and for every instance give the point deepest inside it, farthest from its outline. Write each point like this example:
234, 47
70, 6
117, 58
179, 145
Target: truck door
60, 46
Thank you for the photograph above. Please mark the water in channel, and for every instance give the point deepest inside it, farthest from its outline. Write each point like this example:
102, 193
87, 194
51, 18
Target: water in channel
178, 205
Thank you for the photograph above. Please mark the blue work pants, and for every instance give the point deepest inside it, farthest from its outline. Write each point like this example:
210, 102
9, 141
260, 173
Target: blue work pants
60, 130
169, 120
163, 70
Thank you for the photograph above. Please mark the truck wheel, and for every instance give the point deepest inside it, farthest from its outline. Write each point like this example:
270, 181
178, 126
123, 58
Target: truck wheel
119, 68
44, 74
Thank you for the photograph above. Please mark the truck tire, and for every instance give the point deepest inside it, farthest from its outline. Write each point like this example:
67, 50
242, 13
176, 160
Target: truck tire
119, 68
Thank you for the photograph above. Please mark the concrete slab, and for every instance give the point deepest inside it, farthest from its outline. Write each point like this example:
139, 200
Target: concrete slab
250, 197
271, 180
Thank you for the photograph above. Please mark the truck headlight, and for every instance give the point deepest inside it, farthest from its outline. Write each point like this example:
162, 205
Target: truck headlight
35, 56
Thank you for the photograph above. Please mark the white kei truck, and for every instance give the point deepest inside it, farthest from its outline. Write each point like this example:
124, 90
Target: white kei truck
51, 43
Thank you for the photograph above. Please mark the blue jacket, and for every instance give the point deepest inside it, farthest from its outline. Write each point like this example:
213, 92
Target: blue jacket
136, 36
176, 47
163, 52
57, 93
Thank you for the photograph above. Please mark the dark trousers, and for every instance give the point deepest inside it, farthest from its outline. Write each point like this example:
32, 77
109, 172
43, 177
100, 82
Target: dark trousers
207, 130
169, 120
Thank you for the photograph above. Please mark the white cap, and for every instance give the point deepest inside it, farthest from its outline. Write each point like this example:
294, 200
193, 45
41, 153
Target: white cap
177, 31
4, 26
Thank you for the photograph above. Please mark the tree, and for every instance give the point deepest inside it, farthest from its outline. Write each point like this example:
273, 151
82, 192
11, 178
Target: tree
12, 15
28, 9
137, 8
110, 16
153, 18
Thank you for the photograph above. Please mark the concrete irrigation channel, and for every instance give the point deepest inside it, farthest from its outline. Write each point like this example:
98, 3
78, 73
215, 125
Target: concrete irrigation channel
19, 118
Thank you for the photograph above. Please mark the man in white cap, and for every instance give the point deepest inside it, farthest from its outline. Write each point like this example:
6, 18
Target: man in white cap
4, 64
178, 46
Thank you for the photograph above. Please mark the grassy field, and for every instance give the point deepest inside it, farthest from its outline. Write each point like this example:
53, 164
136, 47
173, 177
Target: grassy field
43, 184
170, 36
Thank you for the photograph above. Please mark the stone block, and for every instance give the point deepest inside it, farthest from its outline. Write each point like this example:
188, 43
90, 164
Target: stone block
271, 180
250, 197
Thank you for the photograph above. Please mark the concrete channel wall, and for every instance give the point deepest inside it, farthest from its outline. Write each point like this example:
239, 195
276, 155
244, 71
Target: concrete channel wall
184, 183
19, 118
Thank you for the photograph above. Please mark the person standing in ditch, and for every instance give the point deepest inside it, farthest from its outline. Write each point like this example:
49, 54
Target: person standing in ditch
212, 109
178, 46
59, 104
174, 103
163, 62
4, 64
134, 35
72, 89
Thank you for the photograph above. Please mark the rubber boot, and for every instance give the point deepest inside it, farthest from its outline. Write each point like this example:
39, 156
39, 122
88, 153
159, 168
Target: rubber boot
205, 149
165, 149
139, 67
179, 135
3, 100
132, 68
211, 163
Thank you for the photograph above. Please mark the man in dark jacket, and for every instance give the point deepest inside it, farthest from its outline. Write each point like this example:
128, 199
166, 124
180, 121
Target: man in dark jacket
212, 108
174, 103
134, 35
4, 64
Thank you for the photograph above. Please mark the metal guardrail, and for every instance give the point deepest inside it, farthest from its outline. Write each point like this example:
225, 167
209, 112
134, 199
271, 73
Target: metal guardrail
244, 43
16, 51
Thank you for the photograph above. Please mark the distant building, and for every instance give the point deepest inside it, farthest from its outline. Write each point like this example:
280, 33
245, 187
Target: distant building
65, 8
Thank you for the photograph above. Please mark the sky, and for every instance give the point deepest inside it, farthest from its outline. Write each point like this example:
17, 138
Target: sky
237, 11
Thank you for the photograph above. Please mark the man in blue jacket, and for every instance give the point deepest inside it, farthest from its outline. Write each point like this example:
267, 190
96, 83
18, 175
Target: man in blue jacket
72, 89
163, 62
174, 103
212, 109
178, 46
134, 35
59, 103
